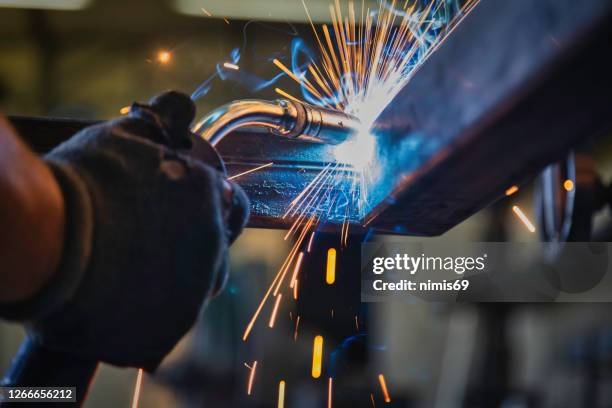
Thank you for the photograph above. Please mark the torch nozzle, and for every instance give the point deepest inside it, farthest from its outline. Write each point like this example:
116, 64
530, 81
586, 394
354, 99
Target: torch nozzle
283, 117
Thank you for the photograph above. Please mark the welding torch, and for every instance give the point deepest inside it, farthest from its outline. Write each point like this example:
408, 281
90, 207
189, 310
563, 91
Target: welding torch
282, 117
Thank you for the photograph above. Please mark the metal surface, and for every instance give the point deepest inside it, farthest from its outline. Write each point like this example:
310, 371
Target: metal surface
282, 117
512, 89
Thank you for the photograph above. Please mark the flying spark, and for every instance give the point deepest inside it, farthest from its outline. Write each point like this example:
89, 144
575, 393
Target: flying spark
317, 356
281, 394
296, 269
519, 213
329, 393
330, 275
136, 397
275, 310
263, 166
568, 185
383, 387
251, 378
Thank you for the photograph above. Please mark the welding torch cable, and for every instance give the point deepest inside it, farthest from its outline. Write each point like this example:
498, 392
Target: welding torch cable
283, 117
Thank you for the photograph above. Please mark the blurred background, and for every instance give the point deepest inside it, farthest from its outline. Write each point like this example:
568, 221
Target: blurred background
91, 58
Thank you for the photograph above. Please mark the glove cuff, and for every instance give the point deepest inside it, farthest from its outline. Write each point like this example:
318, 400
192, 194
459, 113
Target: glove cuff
77, 248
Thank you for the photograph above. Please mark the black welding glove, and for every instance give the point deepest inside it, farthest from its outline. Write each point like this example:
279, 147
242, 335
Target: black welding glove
147, 235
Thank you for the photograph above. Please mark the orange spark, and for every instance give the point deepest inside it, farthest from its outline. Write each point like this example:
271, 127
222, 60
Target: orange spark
287, 95
251, 378
372, 399
383, 387
206, 12
136, 396
310, 241
281, 394
275, 310
568, 185
295, 290
297, 325
329, 393
330, 276
317, 356
277, 281
511, 190
125, 110
519, 213
250, 171
296, 269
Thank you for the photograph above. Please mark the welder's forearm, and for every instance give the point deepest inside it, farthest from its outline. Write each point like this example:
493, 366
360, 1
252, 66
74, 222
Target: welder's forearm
31, 220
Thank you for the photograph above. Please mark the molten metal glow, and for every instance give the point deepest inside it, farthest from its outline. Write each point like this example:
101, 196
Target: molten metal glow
519, 213
383, 387
317, 356
330, 275
287, 95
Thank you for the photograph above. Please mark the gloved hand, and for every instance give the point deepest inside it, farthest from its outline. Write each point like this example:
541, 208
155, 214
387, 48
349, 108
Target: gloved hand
148, 229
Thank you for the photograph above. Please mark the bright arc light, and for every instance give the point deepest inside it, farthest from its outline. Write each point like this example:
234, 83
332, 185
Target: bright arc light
358, 151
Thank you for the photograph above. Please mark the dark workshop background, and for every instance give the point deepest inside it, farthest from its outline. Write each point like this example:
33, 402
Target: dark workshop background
95, 57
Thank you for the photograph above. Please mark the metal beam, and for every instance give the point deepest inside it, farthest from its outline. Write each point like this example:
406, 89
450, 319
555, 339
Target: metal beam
516, 85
